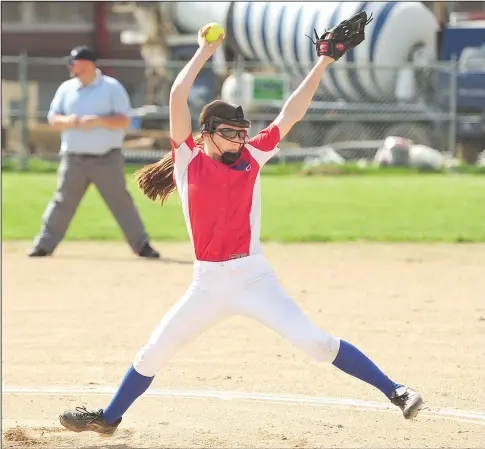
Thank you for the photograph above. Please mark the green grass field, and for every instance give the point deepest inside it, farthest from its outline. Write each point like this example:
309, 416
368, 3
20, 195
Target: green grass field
394, 207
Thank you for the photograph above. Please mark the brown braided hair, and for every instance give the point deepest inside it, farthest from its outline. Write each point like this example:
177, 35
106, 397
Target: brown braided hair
156, 180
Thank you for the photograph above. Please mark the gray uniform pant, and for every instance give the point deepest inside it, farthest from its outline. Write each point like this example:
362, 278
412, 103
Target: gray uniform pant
76, 172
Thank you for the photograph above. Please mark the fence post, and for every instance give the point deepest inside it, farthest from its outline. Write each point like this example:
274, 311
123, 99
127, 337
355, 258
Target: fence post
238, 74
23, 77
452, 143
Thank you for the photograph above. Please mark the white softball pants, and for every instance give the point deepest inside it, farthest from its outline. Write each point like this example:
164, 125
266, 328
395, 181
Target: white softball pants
246, 286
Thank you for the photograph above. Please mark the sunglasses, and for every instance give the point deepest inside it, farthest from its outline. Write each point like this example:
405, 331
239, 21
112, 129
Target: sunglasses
231, 133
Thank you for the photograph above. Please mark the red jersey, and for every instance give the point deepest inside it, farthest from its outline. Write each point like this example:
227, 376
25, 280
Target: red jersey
222, 204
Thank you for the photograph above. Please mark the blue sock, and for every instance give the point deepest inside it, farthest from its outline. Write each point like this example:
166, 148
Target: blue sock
350, 360
131, 388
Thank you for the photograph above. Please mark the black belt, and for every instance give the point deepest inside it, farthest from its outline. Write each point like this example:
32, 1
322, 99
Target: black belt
94, 155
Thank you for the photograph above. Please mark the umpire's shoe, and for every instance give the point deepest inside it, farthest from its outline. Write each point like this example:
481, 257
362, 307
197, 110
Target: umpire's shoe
38, 252
148, 252
82, 420
408, 400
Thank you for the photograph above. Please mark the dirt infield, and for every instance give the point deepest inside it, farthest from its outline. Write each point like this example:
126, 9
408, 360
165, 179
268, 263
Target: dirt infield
74, 322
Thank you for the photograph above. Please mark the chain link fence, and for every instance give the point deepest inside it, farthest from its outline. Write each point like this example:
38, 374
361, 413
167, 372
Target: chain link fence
354, 109
356, 106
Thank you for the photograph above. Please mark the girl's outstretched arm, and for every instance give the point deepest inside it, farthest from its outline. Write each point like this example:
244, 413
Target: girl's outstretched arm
180, 119
299, 101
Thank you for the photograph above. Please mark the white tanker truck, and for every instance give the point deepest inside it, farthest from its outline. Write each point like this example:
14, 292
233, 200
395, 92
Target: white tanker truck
392, 84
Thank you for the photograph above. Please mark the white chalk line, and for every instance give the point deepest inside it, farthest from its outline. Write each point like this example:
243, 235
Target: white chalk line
456, 415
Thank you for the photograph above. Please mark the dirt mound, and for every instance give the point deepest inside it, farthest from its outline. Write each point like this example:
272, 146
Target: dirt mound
19, 437
72, 324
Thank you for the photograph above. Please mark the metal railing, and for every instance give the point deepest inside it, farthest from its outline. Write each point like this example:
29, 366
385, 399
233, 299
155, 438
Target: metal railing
355, 105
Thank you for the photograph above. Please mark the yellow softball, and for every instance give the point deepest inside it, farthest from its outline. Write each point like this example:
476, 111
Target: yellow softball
214, 32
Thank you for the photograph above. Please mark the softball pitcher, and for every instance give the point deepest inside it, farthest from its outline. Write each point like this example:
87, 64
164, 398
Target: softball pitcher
218, 179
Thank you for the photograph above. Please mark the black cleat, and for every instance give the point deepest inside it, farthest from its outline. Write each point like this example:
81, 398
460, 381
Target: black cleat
408, 400
82, 420
148, 252
38, 252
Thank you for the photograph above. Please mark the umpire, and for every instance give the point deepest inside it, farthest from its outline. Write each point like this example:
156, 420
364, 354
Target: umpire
92, 111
